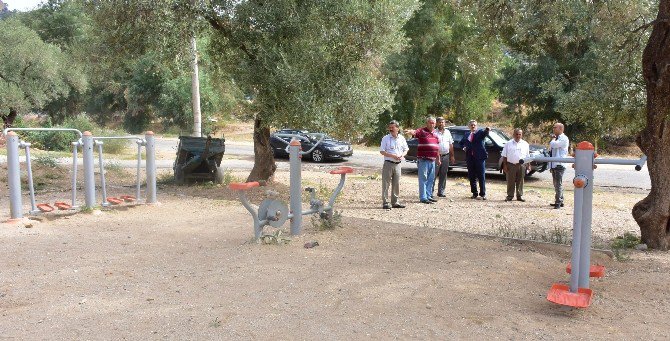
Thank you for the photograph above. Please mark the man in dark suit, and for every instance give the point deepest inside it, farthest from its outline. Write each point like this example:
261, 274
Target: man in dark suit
475, 157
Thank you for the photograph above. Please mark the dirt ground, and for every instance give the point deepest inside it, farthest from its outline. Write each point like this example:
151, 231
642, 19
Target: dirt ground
188, 269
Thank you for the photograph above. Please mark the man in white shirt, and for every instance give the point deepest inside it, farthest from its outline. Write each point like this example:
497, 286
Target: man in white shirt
559, 148
513, 151
446, 143
394, 148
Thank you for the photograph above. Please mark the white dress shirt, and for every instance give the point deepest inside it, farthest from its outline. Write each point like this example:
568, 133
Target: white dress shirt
515, 151
445, 140
559, 148
393, 145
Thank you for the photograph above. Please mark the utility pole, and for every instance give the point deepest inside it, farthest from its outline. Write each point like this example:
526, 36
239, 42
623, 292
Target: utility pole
195, 89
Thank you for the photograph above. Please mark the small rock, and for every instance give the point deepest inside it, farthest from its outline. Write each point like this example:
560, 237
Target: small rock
28, 226
311, 244
641, 247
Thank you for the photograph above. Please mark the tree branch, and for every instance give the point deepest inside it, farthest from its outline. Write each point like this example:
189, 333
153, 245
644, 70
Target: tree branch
657, 21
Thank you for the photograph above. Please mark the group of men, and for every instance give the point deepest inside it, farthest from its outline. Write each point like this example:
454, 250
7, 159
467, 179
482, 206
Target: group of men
435, 151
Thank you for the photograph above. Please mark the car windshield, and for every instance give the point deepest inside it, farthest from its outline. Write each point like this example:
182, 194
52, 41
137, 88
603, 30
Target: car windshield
316, 136
498, 137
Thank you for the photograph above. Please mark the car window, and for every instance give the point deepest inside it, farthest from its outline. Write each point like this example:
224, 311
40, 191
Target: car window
498, 136
457, 135
488, 142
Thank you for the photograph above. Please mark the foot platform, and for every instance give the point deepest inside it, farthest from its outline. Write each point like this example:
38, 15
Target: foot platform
243, 186
128, 198
561, 294
62, 206
596, 271
342, 170
114, 201
44, 207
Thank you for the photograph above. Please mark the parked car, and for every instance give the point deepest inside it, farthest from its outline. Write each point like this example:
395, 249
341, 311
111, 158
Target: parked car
494, 144
328, 149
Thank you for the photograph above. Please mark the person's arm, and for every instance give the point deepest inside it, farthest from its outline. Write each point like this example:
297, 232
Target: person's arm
504, 159
452, 158
560, 141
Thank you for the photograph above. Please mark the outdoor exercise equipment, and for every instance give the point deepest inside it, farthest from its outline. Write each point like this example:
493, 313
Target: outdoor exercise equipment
86, 142
106, 201
14, 174
578, 294
274, 212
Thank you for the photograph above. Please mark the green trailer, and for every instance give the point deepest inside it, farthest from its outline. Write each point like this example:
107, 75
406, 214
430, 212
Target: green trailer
198, 159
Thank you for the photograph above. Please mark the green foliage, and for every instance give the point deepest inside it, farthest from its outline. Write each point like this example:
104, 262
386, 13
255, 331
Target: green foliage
311, 64
46, 160
448, 68
327, 223
274, 238
573, 61
32, 72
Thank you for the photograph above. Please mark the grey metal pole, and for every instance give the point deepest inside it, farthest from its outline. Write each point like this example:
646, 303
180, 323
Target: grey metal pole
14, 177
579, 181
584, 162
295, 184
89, 171
75, 146
103, 183
151, 167
29, 169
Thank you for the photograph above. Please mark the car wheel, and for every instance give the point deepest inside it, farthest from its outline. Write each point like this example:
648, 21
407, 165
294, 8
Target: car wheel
317, 155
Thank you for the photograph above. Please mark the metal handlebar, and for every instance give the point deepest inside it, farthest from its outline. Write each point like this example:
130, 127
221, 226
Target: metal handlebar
639, 163
323, 136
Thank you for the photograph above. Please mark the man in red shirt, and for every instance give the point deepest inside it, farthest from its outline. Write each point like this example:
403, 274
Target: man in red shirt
428, 155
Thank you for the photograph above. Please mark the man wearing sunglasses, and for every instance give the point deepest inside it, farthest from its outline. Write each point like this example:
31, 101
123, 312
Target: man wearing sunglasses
513, 151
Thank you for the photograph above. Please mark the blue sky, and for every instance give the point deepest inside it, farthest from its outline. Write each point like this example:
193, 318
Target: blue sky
21, 5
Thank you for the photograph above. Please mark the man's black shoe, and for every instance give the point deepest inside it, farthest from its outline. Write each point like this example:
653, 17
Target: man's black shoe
431, 199
508, 199
520, 199
426, 202
483, 197
557, 206
441, 195
562, 205
398, 206
474, 196
386, 207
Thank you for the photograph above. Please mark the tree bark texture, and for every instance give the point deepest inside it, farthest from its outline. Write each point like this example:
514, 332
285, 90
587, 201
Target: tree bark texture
8, 120
652, 213
264, 161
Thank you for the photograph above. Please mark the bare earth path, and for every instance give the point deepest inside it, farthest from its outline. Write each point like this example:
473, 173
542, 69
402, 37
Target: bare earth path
187, 270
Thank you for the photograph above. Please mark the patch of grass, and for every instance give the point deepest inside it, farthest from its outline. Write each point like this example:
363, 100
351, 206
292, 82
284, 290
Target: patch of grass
555, 235
113, 166
327, 223
374, 176
226, 177
274, 238
46, 160
621, 245
164, 178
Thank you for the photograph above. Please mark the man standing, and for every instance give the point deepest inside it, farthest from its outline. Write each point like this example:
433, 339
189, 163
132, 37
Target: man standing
559, 148
394, 148
515, 150
427, 154
446, 143
475, 158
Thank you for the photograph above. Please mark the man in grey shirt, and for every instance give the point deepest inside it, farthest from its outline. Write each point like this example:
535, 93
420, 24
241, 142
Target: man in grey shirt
394, 148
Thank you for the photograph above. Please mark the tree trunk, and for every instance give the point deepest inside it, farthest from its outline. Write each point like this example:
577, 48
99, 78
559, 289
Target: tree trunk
264, 161
8, 120
652, 213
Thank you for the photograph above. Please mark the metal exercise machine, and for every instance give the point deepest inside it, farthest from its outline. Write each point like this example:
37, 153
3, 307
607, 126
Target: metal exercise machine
106, 201
578, 294
86, 142
14, 144
274, 212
